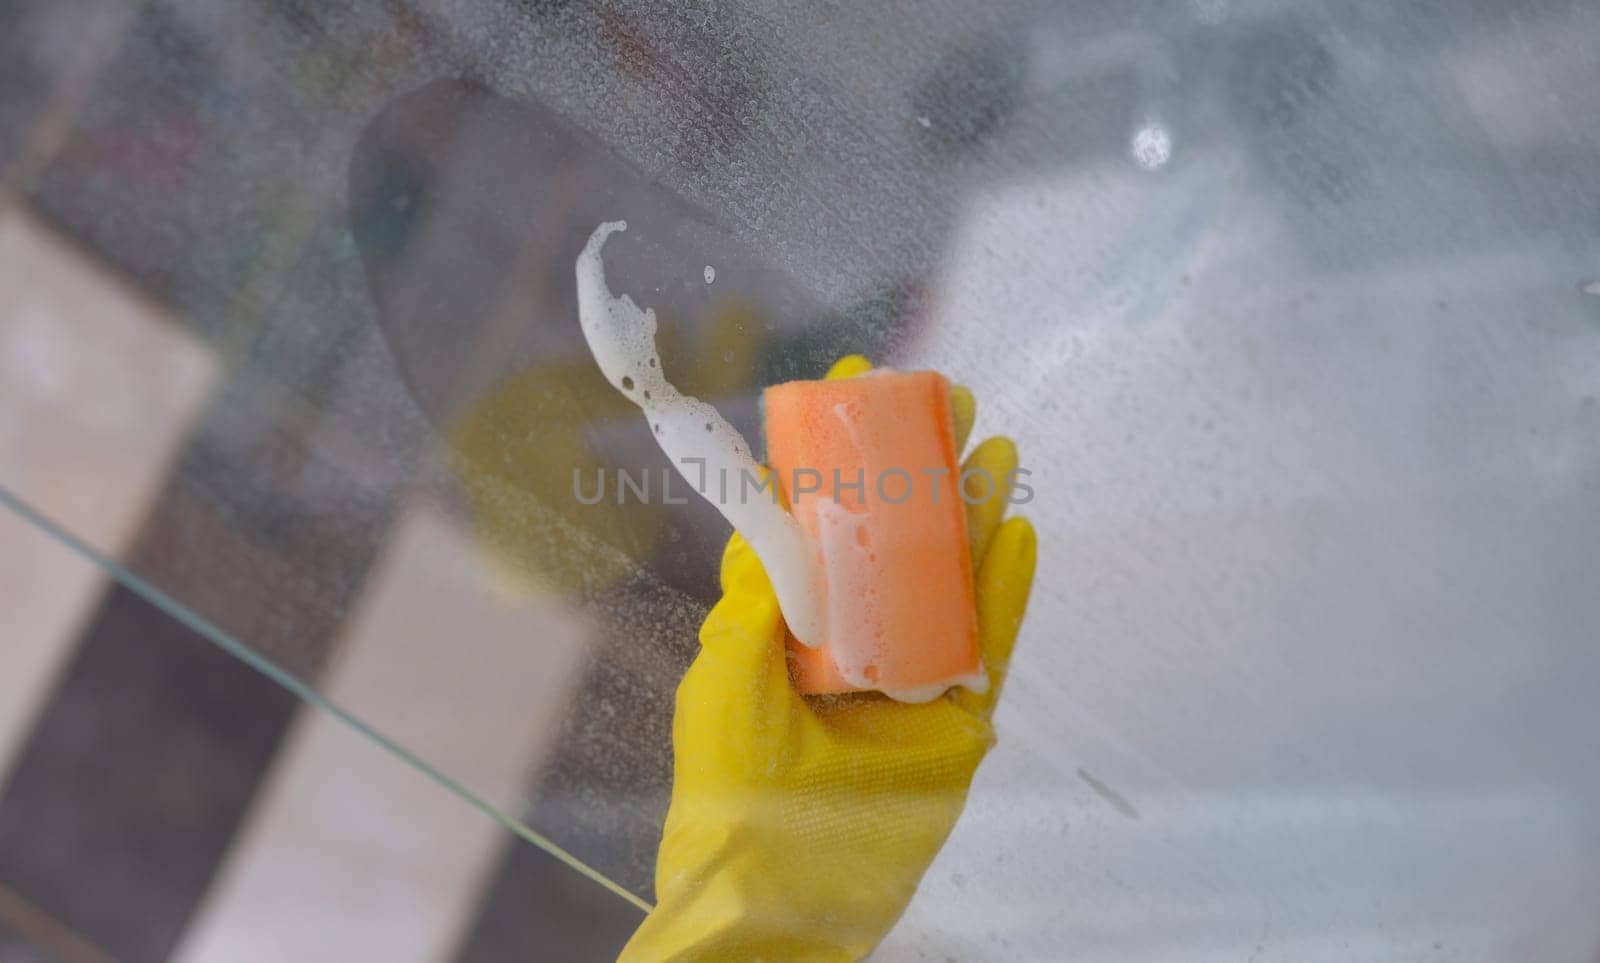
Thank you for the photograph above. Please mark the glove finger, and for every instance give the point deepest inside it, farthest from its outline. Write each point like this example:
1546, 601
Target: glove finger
848, 366
986, 487
1003, 584
963, 411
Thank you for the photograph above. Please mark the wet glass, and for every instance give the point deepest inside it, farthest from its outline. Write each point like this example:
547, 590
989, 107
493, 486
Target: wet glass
1293, 312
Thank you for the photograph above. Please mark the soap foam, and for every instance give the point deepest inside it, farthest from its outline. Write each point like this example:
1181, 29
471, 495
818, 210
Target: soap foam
856, 632
622, 338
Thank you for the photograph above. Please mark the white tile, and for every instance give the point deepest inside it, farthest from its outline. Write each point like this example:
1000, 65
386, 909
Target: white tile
97, 386
349, 853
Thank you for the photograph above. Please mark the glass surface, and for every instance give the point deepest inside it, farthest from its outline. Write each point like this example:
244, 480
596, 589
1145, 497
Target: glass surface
1294, 314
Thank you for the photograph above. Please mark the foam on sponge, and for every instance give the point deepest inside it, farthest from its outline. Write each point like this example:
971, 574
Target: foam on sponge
869, 468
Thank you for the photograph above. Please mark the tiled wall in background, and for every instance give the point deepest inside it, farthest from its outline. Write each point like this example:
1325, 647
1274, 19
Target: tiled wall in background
212, 155
159, 798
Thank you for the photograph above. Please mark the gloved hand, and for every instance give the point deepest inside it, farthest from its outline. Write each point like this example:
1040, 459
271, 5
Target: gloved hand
800, 826
522, 495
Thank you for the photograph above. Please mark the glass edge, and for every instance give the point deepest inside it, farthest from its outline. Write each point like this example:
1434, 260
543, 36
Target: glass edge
301, 690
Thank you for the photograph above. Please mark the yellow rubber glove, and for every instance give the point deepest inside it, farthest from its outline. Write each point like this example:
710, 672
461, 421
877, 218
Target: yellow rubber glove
800, 826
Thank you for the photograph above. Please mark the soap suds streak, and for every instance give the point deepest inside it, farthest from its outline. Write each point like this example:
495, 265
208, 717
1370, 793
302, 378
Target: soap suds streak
693, 434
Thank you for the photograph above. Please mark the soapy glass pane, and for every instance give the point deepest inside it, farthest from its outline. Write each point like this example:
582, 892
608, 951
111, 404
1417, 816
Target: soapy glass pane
1292, 313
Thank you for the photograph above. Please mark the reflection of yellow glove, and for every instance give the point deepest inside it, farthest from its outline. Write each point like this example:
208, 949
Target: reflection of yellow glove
799, 827
517, 447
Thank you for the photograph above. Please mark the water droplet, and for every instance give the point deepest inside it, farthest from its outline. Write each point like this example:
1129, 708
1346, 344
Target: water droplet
711, 274
727, 357
1151, 147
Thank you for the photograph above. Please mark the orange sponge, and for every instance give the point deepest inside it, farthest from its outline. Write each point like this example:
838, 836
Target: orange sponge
869, 468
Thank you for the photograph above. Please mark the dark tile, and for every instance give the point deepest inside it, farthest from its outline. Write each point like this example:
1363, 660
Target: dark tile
539, 909
47, 50
27, 89
136, 777
268, 524
16, 948
208, 157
